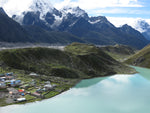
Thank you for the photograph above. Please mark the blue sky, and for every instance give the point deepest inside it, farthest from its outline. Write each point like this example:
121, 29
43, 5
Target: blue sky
110, 8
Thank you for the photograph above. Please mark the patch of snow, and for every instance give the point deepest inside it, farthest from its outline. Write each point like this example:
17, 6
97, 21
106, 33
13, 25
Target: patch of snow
19, 18
94, 22
72, 24
42, 6
57, 22
73, 10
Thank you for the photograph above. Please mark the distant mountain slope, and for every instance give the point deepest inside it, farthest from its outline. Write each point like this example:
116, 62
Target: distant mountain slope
134, 37
11, 31
2, 11
141, 25
76, 61
141, 58
104, 33
145, 26
40, 35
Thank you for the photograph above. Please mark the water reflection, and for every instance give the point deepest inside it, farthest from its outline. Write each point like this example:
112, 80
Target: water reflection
114, 94
89, 82
145, 72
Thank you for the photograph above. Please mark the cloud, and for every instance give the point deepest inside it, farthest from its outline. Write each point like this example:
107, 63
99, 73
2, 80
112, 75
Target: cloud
15, 6
121, 11
102, 7
93, 7
108, 11
94, 4
119, 21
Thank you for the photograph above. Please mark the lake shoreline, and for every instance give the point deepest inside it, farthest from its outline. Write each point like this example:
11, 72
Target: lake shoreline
35, 100
100, 94
76, 81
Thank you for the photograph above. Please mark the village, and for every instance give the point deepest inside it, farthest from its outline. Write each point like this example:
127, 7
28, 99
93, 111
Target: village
15, 90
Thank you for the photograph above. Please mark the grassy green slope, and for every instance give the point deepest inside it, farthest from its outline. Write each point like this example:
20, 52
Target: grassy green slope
97, 60
119, 52
141, 58
76, 61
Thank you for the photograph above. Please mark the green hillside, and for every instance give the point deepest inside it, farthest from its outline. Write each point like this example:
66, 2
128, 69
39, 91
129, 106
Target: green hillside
119, 52
141, 58
76, 61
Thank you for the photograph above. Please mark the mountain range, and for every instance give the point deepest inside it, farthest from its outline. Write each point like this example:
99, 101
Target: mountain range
141, 25
41, 22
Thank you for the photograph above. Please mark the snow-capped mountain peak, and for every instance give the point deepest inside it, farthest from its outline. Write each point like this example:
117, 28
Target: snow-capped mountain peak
141, 25
34, 10
76, 11
99, 20
144, 27
20, 6
42, 6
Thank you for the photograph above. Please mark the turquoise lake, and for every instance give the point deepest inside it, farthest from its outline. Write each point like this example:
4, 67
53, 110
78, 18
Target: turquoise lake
113, 94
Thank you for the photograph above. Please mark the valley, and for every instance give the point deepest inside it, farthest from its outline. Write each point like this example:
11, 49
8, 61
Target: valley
141, 58
74, 56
